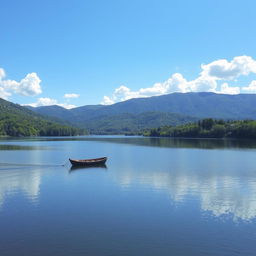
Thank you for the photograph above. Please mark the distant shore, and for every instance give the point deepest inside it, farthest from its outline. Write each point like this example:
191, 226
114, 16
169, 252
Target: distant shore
208, 128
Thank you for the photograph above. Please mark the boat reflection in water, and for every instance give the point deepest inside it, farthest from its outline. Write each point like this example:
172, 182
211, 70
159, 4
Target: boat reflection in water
82, 167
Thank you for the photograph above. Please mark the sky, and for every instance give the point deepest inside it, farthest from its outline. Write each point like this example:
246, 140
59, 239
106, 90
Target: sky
83, 52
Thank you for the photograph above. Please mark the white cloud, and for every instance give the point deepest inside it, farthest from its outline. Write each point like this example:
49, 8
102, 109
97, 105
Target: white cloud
71, 95
49, 102
124, 93
107, 101
44, 102
4, 94
207, 81
202, 84
176, 83
2, 73
225, 70
28, 86
251, 87
226, 89
66, 105
10, 85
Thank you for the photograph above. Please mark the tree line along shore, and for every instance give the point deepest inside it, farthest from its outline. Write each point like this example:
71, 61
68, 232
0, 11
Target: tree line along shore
208, 128
19, 126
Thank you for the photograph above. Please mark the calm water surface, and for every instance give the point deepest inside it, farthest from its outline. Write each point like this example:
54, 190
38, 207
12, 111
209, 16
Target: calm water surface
156, 197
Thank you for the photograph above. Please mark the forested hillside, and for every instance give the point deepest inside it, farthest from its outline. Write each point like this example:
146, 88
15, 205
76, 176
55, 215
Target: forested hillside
16, 120
209, 128
127, 123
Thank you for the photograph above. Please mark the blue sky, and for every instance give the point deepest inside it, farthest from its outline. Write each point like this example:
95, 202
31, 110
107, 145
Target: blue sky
107, 51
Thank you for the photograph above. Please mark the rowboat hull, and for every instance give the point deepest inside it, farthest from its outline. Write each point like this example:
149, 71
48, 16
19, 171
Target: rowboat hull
89, 162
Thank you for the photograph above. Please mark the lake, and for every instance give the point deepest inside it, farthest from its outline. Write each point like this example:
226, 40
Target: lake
156, 196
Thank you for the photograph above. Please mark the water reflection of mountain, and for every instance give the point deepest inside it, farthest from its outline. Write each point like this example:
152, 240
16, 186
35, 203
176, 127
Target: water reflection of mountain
180, 143
140, 141
161, 142
19, 180
21, 147
220, 194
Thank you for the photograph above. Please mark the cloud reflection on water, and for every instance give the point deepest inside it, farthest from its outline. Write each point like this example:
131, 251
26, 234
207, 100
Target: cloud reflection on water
218, 194
19, 180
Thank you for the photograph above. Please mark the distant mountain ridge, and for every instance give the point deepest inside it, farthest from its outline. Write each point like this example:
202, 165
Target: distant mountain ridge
127, 123
190, 106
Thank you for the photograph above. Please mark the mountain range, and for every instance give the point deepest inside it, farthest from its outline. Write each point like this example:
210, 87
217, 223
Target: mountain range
141, 113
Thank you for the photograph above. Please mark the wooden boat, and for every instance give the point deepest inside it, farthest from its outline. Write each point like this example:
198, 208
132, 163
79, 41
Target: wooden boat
88, 162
